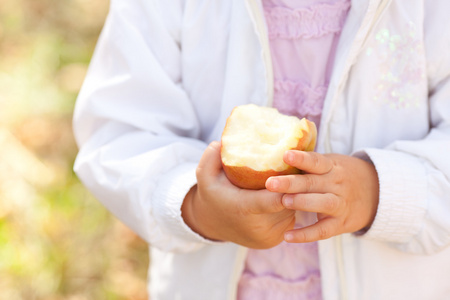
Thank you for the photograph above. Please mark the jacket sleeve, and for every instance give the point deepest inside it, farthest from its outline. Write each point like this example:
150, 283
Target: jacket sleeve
136, 127
414, 208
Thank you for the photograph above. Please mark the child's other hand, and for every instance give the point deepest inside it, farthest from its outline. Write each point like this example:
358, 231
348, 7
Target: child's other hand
218, 210
342, 190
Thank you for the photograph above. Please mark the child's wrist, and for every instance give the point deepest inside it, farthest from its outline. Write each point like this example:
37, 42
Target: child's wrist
186, 209
188, 213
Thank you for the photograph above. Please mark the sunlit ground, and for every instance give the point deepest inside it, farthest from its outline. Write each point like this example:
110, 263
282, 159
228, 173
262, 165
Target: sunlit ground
56, 240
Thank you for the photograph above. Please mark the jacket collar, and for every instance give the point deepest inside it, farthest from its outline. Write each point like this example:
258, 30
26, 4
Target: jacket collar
256, 12
362, 18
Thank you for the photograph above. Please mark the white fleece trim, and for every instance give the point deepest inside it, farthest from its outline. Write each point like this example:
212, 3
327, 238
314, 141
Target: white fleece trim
402, 205
168, 198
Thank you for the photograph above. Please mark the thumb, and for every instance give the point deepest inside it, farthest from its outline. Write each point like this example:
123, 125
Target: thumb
210, 163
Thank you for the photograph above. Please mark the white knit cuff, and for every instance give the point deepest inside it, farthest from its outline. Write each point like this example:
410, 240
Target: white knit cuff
402, 202
168, 198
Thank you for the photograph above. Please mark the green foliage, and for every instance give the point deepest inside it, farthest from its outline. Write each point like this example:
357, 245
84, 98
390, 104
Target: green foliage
56, 240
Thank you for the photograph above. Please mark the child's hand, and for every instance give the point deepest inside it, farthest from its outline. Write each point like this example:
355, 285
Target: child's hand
218, 210
342, 190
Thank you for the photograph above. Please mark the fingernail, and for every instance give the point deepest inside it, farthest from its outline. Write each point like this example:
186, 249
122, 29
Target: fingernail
288, 201
274, 183
288, 237
289, 156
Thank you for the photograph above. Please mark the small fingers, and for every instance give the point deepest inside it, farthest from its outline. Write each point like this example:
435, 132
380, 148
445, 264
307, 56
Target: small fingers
320, 203
292, 184
321, 230
310, 162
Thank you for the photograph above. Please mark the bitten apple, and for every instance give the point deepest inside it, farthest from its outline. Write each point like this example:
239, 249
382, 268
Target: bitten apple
254, 140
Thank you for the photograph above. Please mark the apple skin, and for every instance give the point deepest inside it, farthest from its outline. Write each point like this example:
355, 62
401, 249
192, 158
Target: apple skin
248, 178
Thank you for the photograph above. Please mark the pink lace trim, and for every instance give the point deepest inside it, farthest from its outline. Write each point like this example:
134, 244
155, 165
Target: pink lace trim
298, 98
269, 287
309, 22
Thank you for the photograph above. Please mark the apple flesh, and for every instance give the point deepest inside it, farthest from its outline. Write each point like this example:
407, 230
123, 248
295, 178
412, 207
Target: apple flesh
254, 141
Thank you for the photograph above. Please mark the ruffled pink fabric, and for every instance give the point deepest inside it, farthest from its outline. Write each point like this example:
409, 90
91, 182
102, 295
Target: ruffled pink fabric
285, 272
306, 22
303, 39
299, 99
279, 288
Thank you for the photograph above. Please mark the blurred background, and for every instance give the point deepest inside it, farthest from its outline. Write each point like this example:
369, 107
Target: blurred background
56, 240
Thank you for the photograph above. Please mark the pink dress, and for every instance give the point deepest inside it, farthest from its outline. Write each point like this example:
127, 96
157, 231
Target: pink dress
303, 38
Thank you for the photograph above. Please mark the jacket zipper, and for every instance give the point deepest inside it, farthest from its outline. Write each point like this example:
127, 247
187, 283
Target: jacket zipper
255, 9
339, 243
241, 254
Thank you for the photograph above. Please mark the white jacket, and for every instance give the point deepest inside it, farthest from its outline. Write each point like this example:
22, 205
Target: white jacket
166, 74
